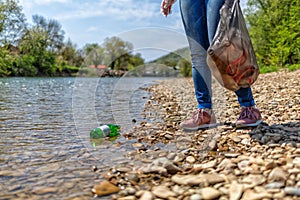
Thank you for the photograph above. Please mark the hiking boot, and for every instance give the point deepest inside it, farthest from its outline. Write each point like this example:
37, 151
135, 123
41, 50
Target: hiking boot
249, 117
201, 119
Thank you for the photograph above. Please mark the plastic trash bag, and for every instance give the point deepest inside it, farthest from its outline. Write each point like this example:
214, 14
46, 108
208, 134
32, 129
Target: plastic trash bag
230, 56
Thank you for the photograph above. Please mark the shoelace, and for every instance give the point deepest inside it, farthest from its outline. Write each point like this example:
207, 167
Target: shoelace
248, 112
198, 115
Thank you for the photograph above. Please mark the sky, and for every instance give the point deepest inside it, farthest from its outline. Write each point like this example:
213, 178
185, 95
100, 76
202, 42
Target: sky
137, 21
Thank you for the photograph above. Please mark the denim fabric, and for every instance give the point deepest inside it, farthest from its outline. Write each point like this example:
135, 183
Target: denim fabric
200, 20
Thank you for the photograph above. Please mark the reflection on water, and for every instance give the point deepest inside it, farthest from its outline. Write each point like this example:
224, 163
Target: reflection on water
45, 150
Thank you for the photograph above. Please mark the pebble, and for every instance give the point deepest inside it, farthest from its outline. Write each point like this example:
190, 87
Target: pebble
163, 192
105, 188
210, 193
292, 191
235, 191
277, 174
147, 196
190, 159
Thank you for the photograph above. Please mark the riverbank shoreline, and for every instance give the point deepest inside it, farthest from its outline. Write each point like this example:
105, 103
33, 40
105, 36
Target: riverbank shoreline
219, 163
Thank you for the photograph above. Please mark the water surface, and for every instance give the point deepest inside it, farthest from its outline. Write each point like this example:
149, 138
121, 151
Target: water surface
45, 151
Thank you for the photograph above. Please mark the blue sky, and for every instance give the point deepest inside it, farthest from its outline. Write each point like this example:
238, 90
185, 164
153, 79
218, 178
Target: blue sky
136, 21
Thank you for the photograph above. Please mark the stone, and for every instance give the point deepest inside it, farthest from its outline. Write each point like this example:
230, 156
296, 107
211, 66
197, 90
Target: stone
292, 191
105, 188
190, 159
197, 179
195, 197
164, 162
45, 190
209, 164
253, 180
163, 192
235, 191
210, 193
252, 195
147, 196
277, 174
127, 198
274, 185
226, 164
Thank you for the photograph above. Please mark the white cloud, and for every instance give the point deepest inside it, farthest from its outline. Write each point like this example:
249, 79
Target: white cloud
121, 9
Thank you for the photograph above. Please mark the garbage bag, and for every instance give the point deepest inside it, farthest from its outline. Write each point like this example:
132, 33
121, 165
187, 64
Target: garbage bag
230, 56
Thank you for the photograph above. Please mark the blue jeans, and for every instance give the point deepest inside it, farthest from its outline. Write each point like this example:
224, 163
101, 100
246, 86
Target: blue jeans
200, 20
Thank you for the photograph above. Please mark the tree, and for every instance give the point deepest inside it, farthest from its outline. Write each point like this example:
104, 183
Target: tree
6, 61
70, 54
34, 53
12, 22
185, 67
53, 32
275, 31
117, 52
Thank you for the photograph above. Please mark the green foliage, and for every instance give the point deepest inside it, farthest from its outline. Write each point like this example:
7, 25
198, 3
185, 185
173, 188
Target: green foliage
5, 62
266, 69
12, 22
293, 67
275, 32
114, 53
117, 52
180, 57
25, 66
185, 67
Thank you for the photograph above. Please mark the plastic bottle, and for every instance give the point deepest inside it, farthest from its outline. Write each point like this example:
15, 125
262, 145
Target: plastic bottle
107, 130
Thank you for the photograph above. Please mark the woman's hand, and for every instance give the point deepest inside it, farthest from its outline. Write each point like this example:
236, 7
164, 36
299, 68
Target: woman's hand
166, 7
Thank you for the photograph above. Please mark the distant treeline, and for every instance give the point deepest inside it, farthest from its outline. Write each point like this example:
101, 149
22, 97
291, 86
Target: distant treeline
40, 49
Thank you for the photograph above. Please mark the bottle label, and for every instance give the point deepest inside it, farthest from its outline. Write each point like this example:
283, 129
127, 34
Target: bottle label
105, 129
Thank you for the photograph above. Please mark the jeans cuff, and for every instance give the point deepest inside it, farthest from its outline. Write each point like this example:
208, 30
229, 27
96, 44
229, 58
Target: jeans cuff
247, 104
204, 105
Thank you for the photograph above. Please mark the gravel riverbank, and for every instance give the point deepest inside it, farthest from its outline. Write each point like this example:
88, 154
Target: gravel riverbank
219, 163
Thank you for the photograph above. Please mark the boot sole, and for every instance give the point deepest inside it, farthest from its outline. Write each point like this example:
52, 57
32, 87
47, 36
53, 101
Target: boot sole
249, 125
205, 126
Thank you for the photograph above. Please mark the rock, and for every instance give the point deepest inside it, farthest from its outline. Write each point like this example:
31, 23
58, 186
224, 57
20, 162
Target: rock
44, 190
243, 164
130, 190
195, 197
231, 155
235, 191
253, 180
190, 159
197, 179
252, 195
226, 164
167, 164
210, 193
187, 179
127, 198
209, 164
277, 174
274, 185
163, 192
270, 165
147, 196
292, 191
105, 188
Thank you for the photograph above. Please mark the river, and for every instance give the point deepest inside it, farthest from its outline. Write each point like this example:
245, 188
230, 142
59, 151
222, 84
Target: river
45, 148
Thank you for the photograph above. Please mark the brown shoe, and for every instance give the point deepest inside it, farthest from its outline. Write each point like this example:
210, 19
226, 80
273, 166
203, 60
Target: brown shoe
249, 117
201, 119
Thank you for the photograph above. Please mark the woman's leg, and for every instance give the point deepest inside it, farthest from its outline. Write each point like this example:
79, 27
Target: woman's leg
193, 13
245, 97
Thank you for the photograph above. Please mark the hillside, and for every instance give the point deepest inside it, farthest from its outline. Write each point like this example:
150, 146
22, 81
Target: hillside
172, 59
